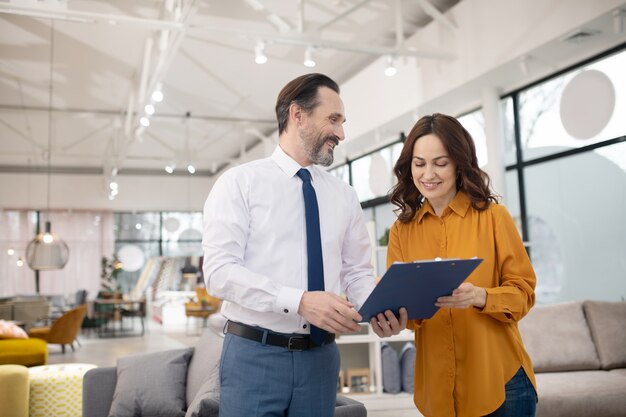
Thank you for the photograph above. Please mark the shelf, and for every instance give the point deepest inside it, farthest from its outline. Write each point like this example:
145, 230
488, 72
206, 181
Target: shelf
404, 336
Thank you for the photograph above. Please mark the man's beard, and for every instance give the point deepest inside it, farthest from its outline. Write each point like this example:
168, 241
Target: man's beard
314, 147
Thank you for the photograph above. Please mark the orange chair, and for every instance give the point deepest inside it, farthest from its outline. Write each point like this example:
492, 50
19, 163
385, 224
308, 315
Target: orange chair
64, 330
203, 308
205, 298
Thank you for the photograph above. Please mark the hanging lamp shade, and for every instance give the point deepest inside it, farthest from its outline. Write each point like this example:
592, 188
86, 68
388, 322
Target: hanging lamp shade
47, 251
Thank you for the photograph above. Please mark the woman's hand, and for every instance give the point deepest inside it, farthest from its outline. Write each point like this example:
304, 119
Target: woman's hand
467, 295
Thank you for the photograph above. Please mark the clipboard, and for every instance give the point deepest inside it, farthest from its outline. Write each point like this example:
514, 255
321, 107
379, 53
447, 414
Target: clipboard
416, 286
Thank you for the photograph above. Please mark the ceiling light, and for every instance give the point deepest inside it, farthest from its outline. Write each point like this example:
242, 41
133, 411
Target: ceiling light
308, 57
259, 53
10, 251
138, 226
113, 185
47, 251
191, 169
170, 168
391, 70
149, 109
157, 95
20, 262
145, 122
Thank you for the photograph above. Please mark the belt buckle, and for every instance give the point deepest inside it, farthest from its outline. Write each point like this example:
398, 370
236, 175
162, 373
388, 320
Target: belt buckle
297, 344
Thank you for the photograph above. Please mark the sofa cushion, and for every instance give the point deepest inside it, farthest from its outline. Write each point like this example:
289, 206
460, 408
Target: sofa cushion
407, 367
586, 393
557, 338
10, 330
203, 372
606, 321
390, 369
206, 403
151, 384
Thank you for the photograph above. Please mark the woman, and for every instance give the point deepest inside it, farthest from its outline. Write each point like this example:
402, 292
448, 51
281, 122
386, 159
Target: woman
470, 359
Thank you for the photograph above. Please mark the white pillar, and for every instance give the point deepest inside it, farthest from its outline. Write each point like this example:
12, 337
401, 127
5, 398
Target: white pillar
494, 133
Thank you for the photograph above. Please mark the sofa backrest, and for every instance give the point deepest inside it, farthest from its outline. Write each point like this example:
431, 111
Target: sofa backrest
607, 322
557, 338
203, 370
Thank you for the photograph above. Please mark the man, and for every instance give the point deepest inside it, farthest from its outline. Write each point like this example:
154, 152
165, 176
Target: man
261, 231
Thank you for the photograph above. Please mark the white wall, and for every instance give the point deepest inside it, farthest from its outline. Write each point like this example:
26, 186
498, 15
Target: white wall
88, 192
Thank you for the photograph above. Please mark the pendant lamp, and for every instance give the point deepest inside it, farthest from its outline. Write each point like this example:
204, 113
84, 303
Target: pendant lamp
47, 251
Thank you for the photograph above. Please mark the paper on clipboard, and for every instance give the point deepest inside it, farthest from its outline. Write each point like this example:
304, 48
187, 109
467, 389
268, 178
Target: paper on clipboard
416, 286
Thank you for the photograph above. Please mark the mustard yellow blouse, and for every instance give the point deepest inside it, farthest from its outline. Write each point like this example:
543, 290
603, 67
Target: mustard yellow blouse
464, 357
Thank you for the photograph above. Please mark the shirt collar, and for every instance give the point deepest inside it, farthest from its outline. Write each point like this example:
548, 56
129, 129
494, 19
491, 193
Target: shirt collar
288, 165
460, 204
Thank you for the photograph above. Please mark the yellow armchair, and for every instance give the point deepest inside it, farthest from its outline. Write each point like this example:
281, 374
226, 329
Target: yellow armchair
64, 330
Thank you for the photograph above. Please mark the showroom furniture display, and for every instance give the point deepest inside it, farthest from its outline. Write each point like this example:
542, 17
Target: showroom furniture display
57, 390
14, 391
204, 306
578, 350
27, 352
64, 330
135, 310
180, 381
26, 309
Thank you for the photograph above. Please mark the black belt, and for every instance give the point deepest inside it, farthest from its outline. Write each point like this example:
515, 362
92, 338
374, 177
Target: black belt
294, 343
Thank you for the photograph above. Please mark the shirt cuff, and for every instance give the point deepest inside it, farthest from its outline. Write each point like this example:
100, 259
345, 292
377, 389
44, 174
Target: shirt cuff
288, 300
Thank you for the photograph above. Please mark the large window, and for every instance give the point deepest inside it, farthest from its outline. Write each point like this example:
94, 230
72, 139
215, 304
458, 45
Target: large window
574, 109
572, 179
140, 237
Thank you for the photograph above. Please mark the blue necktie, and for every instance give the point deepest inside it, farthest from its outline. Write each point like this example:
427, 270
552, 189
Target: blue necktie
315, 264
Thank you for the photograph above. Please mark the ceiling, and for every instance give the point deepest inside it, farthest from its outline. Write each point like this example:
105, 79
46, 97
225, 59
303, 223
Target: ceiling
106, 58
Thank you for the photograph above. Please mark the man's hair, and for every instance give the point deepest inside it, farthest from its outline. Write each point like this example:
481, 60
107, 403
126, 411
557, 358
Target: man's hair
303, 92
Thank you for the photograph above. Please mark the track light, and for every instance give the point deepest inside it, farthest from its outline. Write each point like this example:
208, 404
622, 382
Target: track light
170, 168
157, 95
149, 109
145, 122
391, 70
259, 53
191, 169
308, 58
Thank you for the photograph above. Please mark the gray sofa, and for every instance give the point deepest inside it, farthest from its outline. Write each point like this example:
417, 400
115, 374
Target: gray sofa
141, 381
578, 351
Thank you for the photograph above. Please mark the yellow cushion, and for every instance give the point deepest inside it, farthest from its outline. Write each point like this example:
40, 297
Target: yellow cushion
27, 352
14, 392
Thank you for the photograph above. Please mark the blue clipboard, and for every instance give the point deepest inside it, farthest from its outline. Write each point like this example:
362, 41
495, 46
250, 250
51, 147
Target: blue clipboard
416, 286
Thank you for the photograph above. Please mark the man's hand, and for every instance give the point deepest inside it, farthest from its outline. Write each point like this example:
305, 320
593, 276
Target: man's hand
385, 325
330, 312
467, 295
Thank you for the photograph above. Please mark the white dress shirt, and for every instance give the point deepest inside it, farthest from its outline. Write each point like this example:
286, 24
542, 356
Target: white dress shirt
254, 242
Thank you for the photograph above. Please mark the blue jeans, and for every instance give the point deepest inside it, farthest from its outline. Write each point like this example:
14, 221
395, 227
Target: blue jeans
520, 398
269, 381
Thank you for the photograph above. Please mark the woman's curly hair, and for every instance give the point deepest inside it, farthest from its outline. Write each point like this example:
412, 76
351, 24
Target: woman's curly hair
460, 147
